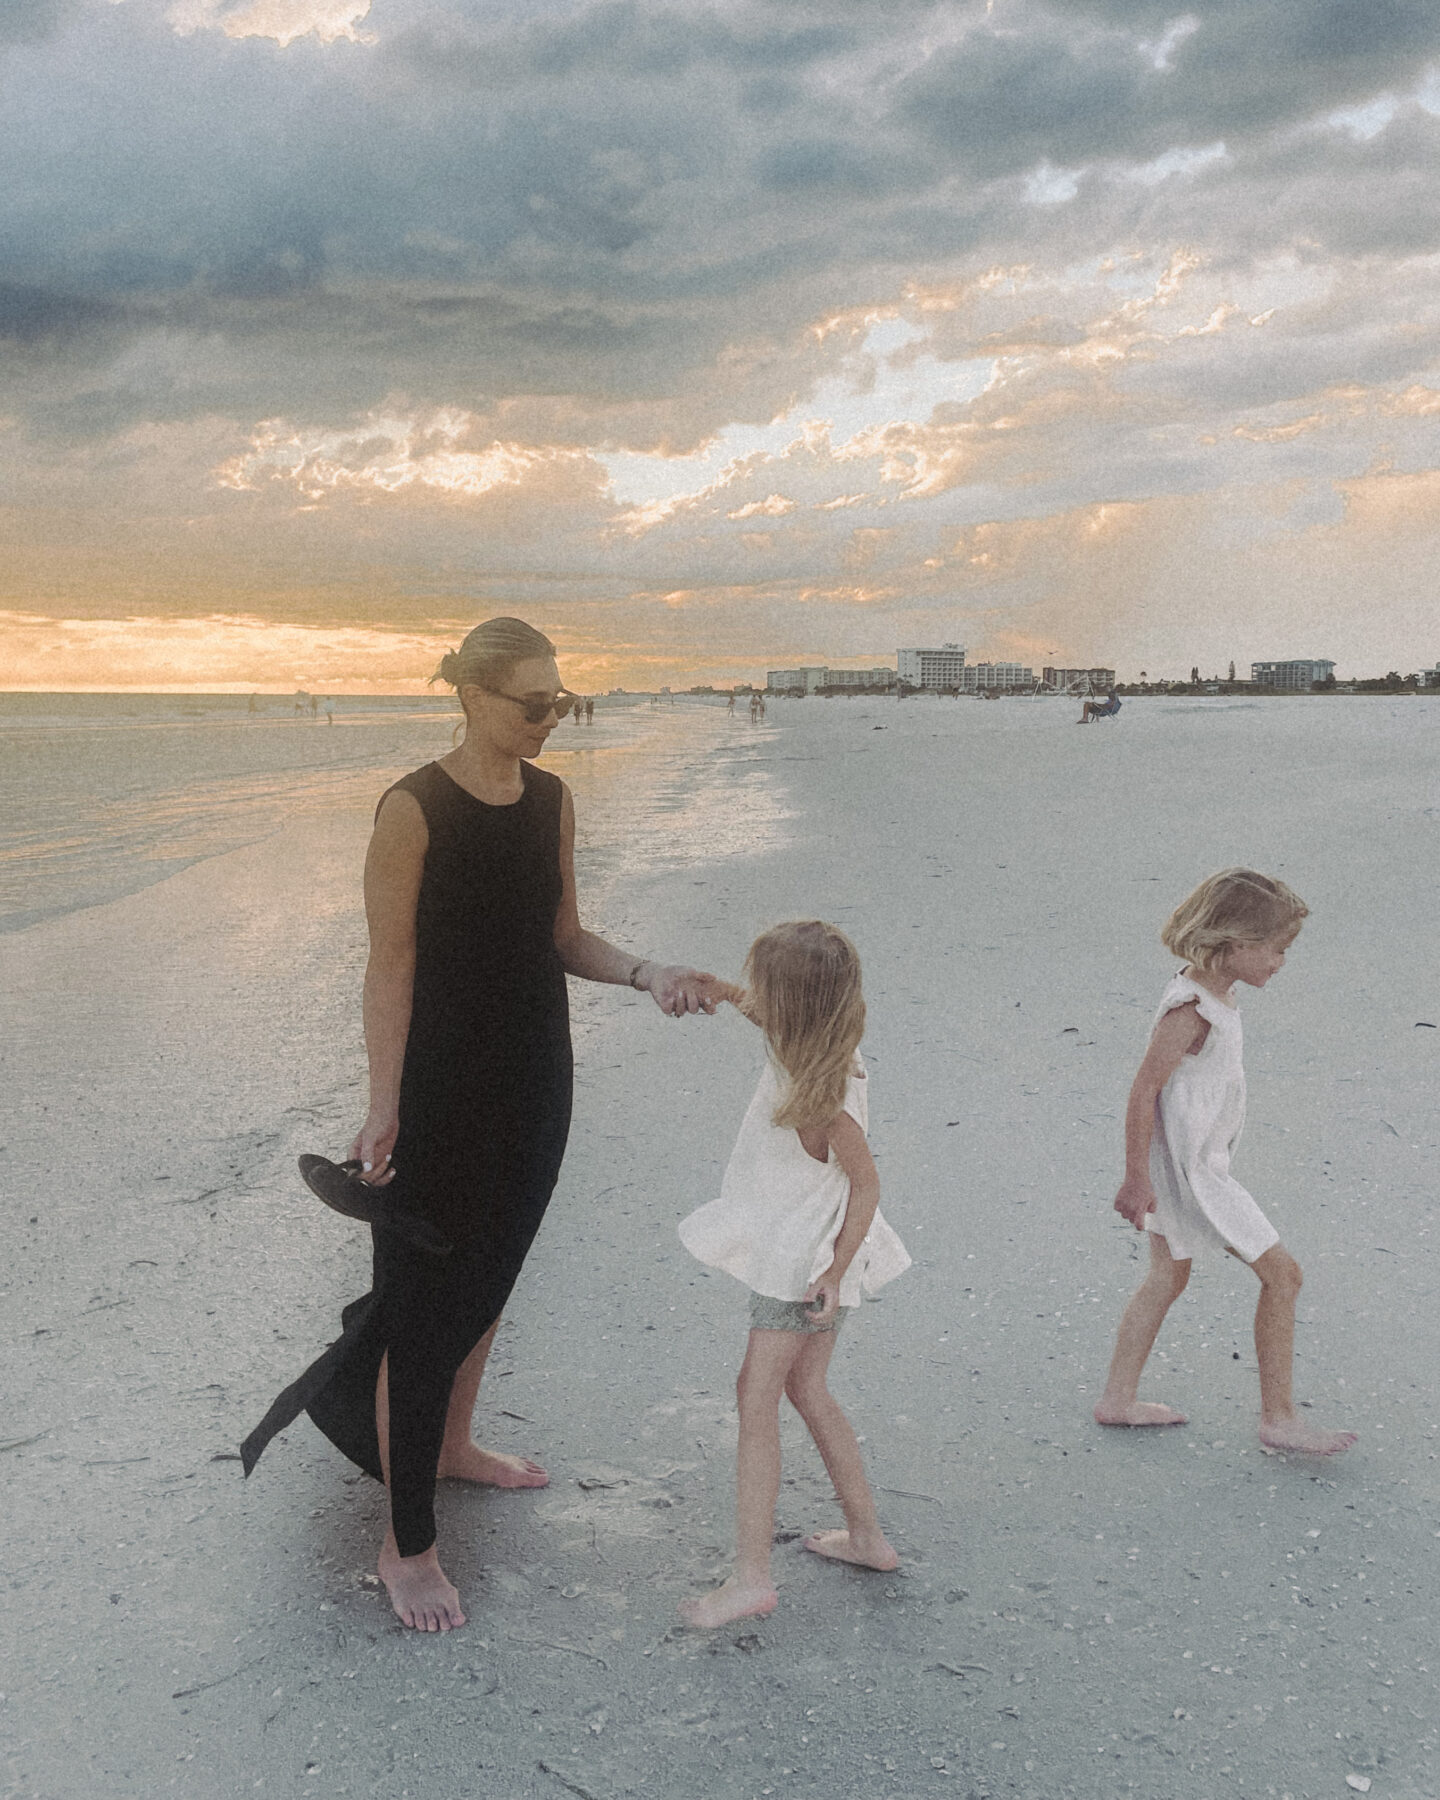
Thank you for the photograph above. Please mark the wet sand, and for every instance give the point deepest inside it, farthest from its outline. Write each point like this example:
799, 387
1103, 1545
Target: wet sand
1078, 1613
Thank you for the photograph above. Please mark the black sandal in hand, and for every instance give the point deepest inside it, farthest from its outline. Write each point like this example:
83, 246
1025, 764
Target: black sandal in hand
339, 1185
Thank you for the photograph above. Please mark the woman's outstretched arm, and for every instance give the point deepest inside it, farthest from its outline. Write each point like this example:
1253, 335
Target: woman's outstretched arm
675, 990
394, 864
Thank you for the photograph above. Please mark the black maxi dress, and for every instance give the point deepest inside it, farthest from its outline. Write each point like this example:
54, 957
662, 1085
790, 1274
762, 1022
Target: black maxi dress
484, 1113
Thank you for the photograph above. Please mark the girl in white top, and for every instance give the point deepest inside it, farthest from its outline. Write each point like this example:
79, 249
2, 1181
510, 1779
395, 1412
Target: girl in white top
1186, 1109
798, 1222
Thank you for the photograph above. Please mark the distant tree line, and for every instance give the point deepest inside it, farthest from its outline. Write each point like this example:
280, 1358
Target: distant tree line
1392, 683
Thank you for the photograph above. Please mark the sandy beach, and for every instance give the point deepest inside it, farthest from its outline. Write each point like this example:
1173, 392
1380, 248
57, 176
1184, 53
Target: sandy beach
1078, 1613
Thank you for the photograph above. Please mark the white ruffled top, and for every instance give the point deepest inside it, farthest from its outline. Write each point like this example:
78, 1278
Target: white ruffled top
780, 1210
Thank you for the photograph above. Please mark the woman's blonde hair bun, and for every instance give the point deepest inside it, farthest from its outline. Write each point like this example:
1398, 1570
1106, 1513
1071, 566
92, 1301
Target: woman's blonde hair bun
491, 651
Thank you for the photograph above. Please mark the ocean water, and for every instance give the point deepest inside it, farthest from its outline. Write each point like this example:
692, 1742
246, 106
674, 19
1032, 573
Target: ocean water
102, 795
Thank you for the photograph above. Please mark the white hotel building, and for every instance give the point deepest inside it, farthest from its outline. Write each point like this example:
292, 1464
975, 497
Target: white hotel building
941, 670
812, 677
945, 671
1299, 676
1078, 681
991, 678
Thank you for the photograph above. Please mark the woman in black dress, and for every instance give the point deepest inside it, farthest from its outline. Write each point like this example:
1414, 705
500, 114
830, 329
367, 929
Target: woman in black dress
470, 897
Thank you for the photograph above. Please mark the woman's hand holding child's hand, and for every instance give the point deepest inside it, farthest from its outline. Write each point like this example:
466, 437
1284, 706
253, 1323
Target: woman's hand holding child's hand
825, 1291
678, 991
1135, 1199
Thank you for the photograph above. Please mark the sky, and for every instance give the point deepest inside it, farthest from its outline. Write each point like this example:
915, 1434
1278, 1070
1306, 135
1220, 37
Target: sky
711, 337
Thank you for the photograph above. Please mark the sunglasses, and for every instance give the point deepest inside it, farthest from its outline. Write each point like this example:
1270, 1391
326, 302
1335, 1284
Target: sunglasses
536, 712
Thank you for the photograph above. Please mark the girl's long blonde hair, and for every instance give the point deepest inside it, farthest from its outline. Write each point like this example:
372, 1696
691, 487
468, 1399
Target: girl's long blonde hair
804, 982
1236, 906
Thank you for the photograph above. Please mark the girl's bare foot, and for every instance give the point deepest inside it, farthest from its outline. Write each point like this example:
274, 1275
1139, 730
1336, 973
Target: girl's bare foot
1138, 1412
1309, 1440
733, 1599
419, 1590
867, 1549
492, 1468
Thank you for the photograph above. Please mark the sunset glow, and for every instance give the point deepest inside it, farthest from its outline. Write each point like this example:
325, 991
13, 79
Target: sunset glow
879, 330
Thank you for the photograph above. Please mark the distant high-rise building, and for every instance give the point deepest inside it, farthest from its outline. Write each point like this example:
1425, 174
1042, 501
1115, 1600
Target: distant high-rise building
1294, 677
812, 677
941, 670
880, 677
995, 677
807, 678
1079, 681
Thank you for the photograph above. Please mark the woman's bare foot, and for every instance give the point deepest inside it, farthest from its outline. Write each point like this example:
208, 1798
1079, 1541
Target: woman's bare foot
492, 1468
419, 1590
733, 1599
867, 1549
1138, 1412
1309, 1440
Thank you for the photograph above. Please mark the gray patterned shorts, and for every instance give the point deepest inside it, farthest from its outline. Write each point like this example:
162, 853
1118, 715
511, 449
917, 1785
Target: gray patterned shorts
769, 1314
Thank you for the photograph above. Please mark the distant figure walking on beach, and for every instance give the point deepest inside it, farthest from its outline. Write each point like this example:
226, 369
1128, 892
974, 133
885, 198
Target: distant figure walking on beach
589, 709
329, 709
1183, 1121
474, 925
798, 1222
730, 706
1099, 709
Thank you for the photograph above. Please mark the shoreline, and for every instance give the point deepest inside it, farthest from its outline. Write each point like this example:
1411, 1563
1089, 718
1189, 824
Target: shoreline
1006, 887
113, 806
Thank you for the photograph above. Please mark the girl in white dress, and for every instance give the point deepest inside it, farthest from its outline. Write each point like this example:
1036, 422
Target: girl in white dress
798, 1222
1186, 1109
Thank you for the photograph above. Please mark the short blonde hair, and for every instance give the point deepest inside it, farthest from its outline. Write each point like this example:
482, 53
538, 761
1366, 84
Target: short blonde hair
804, 980
1237, 906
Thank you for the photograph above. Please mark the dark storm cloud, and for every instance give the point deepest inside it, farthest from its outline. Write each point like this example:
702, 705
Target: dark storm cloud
624, 38
33, 316
1346, 199
605, 199
1076, 87
28, 21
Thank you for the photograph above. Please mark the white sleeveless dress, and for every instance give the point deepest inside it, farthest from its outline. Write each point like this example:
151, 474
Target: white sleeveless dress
780, 1211
1199, 1114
